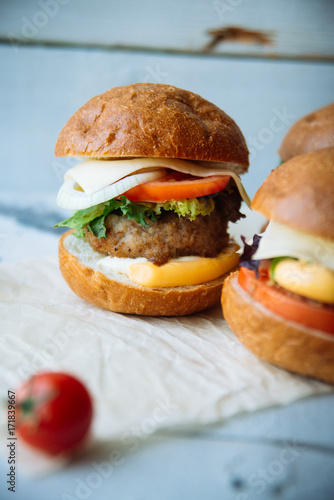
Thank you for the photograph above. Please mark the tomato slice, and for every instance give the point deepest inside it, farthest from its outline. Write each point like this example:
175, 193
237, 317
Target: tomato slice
177, 186
291, 307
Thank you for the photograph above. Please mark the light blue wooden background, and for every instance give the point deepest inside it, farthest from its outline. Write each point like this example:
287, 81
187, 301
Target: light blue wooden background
42, 85
55, 55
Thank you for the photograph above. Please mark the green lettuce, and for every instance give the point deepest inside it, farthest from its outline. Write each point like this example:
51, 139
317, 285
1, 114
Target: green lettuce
94, 217
185, 208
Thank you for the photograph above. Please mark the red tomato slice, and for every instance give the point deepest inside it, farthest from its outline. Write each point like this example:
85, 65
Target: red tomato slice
291, 307
177, 186
54, 412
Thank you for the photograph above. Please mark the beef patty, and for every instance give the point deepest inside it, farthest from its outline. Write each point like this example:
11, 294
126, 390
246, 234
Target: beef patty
169, 237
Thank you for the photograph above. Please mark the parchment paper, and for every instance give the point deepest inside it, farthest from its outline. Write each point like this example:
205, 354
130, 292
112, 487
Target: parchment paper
144, 373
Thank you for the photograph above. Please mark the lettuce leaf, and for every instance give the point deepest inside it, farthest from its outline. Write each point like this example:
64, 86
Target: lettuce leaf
190, 207
94, 217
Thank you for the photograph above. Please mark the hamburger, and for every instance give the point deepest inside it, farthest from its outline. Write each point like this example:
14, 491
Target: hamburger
313, 131
285, 285
156, 187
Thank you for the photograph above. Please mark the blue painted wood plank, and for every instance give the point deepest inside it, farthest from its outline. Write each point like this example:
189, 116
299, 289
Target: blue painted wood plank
297, 28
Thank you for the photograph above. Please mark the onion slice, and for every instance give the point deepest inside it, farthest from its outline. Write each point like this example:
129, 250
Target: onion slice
71, 197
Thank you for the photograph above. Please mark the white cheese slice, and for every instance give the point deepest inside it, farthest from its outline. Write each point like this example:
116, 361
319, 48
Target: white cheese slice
117, 264
279, 240
94, 174
122, 265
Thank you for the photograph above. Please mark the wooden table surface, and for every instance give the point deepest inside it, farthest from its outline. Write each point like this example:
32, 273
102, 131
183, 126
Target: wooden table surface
266, 64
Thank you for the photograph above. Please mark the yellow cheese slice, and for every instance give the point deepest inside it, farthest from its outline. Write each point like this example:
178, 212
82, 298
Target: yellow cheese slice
185, 272
307, 279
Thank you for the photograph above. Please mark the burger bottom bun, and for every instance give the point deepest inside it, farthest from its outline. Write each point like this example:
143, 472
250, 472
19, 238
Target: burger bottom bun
274, 339
119, 294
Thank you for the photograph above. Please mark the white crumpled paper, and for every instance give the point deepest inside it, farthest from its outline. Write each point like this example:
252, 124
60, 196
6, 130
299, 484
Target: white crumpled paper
144, 373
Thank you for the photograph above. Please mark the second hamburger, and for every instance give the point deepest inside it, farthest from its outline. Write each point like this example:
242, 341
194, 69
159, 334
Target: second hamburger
280, 304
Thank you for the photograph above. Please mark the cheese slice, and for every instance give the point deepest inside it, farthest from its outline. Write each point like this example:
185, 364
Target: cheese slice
94, 174
185, 271
279, 240
306, 278
182, 271
120, 265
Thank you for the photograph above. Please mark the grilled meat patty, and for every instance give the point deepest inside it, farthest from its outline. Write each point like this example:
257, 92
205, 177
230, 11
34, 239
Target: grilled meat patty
170, 236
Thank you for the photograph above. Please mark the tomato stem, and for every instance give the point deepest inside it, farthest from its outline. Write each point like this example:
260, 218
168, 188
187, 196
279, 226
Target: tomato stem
26, 405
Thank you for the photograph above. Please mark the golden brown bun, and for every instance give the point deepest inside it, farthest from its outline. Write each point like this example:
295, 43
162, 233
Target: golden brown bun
153, 120
314, 131
126, 297
299, 193
274, 339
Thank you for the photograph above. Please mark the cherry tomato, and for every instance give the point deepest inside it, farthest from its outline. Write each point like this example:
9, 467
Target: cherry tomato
54, 412
177, 186
291, 307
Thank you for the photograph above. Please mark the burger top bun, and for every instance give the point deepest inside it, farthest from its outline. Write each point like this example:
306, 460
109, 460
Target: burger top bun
153, 120
299, 194
314, 131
